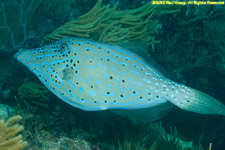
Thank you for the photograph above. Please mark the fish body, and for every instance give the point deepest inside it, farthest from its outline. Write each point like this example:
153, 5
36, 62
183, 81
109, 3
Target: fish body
96, 76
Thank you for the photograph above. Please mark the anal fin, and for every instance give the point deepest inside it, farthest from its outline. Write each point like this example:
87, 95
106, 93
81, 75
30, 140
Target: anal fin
144, 115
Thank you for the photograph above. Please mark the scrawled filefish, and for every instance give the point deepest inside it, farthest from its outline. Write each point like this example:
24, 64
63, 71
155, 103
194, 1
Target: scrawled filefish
96, 76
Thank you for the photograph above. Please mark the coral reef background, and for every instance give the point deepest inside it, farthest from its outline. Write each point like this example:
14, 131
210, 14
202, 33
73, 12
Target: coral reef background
188, 41
9, 140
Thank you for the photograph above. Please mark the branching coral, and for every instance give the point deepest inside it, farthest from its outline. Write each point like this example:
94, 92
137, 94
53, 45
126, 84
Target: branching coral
215, 35
187, 55
106, 24
197, 44
9, 140
57, 9
13, 23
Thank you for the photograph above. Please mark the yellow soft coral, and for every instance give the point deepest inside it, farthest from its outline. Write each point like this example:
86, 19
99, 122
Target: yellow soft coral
9, 140
109, 25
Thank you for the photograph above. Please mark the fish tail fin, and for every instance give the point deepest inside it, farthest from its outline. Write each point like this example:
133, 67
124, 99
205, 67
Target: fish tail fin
201, 103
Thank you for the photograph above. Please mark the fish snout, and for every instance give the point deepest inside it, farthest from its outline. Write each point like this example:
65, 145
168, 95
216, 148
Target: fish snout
21, 55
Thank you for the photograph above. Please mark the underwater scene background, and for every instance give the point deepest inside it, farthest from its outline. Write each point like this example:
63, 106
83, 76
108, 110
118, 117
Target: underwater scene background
187, 41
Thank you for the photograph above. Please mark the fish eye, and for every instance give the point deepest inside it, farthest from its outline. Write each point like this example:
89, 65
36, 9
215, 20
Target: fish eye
63, 48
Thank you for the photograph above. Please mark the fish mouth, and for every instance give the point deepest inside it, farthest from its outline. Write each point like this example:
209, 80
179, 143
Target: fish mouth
21, 55
17, 55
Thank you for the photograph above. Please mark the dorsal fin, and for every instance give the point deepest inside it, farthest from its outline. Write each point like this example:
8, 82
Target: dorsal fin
141, 50
137, 47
